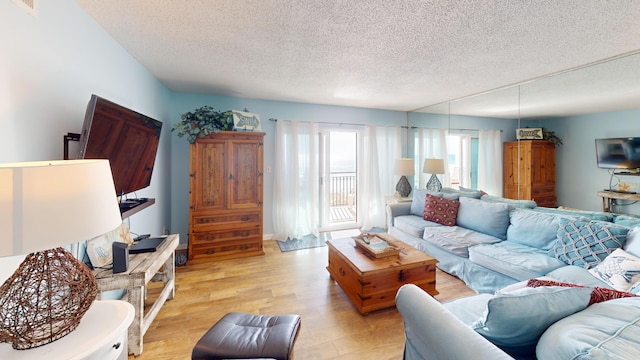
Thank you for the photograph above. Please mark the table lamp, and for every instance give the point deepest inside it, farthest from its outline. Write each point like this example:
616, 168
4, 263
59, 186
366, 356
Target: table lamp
43, 206
433, 167
404, 168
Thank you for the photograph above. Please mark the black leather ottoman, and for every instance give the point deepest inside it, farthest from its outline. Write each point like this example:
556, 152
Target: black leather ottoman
247, 336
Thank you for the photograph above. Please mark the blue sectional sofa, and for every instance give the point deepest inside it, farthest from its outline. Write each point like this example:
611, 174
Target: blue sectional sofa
495, 247
495, 242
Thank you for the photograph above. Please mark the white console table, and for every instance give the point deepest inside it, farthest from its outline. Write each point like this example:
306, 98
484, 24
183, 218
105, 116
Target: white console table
143, 267
101, 335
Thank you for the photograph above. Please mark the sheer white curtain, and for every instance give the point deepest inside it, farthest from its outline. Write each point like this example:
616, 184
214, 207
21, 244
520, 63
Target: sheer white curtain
490, 161
381, 146
431, 143
296, 205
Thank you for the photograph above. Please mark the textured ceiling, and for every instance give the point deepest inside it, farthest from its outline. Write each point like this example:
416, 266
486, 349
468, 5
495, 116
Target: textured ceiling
397, 55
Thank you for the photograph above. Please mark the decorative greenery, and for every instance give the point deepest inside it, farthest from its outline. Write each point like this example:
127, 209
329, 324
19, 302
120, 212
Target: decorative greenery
551, 137
202, 122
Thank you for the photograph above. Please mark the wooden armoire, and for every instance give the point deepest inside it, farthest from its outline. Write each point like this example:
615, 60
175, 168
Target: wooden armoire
225, 194
530, 171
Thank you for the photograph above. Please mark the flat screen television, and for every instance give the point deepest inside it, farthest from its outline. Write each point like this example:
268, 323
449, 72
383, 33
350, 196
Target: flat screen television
128, 139
618, 153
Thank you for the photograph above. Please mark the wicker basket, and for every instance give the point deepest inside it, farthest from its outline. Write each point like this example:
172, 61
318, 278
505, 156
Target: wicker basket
45, 298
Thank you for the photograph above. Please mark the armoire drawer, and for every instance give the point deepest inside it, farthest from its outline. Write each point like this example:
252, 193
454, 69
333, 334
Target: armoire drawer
224, 235
226, 248
204, 222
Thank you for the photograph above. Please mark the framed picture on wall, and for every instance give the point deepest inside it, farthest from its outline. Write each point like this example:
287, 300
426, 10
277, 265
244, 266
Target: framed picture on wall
244, 121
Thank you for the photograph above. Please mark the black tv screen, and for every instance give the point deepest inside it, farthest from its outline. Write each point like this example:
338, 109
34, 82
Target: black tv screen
618, 153
128, 139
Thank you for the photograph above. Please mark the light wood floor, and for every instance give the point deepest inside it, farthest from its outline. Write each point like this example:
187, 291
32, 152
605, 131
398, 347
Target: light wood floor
279, 283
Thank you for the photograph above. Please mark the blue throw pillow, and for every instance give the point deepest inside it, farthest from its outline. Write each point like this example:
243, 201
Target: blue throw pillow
515, 321
522, 204
475, 194
586, 244
485, 217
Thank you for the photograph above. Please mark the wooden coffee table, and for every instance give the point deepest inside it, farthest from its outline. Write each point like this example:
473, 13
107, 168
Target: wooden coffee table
370, 283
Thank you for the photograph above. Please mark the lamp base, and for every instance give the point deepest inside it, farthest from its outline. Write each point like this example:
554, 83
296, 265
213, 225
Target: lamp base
45, 298
403, 187
434, 184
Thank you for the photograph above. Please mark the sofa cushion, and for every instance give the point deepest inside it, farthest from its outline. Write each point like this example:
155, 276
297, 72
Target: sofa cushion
632, 245
586, 244
592, 215
456, 239
440, 210
413, 225
515, 260
534, 228
627, 220
608, 330
620, 270
468, 309
469, 193
515, 320
485, 217
577, 275
419, 196
522, 204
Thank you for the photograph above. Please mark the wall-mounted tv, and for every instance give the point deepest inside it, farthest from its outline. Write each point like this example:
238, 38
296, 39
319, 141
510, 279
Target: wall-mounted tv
618, 153
127, 138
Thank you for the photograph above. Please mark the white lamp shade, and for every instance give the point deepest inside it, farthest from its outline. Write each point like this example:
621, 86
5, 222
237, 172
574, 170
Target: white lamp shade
47, 204
433, 166
404, 167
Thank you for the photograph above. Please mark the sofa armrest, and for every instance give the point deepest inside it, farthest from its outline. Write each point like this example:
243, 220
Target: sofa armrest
432, 332
397, 209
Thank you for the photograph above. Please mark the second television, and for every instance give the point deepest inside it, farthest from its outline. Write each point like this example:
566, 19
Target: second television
618, 153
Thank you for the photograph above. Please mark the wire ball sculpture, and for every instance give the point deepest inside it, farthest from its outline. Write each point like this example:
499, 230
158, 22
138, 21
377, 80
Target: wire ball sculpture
45, 298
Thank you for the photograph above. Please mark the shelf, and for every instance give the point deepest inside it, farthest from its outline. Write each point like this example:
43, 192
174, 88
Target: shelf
137, 208
607, 197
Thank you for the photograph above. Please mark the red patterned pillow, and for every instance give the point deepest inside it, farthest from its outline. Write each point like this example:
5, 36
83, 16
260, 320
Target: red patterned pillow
541, 282
603, 294
598, 294
440, 210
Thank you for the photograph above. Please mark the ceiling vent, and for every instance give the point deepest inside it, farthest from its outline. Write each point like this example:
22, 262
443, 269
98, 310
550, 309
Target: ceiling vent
30, 6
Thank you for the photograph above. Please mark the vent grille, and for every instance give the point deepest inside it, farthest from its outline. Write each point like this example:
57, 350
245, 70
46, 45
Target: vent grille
30, 6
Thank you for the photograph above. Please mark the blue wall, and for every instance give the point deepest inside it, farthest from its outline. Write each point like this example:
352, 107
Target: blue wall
578, 177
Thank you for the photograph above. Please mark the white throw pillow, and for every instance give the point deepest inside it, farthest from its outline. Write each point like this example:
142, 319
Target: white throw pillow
620, 270
99, 249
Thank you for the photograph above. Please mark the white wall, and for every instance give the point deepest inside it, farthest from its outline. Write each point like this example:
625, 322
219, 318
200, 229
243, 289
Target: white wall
49, 67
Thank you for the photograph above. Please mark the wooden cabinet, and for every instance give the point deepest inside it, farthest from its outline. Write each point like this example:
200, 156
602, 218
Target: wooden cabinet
226, 196
530, 171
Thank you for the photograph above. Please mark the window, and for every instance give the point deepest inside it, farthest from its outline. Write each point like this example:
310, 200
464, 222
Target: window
462, 160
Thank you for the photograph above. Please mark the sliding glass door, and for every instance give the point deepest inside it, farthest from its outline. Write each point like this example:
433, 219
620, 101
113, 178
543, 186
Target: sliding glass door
339, 179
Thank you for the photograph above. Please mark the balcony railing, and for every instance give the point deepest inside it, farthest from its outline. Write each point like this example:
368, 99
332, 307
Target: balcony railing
342, 197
